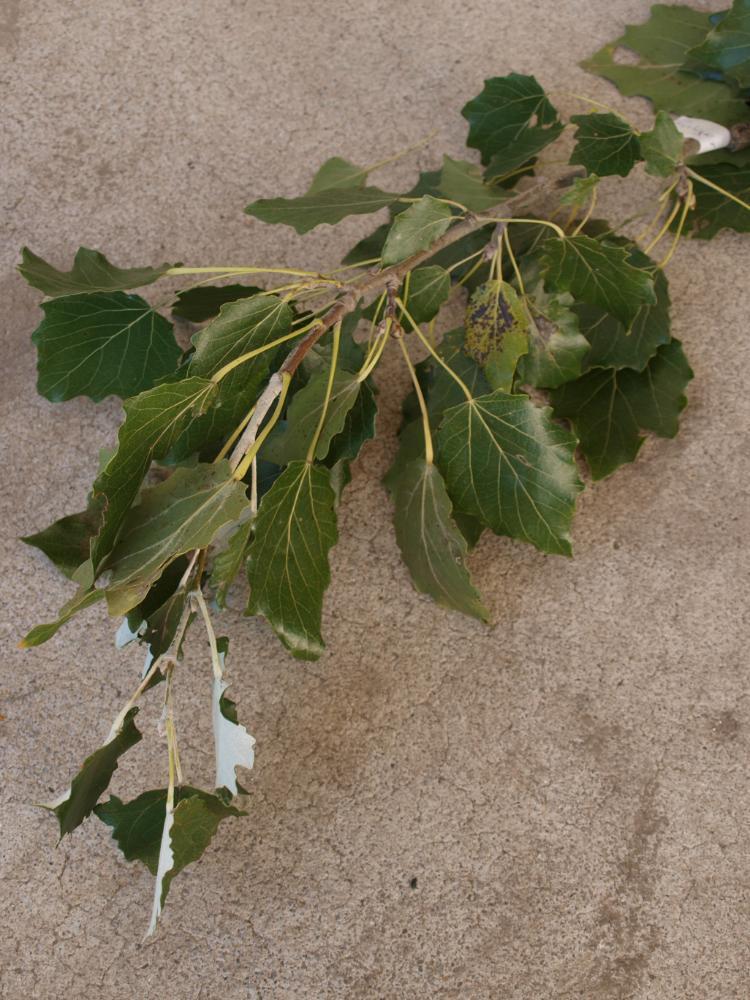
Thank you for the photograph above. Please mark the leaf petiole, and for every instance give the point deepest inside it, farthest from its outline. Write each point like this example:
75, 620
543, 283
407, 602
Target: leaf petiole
329, 390
415, 326
687, 205
727, 194
664, 229
429, 453
231, 365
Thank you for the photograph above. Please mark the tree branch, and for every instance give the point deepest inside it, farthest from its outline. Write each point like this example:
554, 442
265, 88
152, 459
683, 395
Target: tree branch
374, 283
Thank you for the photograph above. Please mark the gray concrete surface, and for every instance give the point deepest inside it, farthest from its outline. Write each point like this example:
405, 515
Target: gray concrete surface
569, 788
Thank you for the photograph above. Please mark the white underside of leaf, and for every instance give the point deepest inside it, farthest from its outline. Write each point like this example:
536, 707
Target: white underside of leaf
234, 745
125, 635
166, 861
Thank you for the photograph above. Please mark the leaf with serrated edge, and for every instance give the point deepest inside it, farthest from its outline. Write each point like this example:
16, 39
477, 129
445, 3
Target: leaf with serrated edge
234, 746
506, 462
91, 272
616, 346
557, 346
326, 207
106, 343
288, 565
597, 273
293, 440
663, 43
661, 148
609, 408
726, 48
137, 825
416, 229
95, 774
179, 515
431, 545
605, 144
187, 831
510, 122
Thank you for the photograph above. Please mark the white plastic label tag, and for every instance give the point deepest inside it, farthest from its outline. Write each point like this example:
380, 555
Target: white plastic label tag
708, 135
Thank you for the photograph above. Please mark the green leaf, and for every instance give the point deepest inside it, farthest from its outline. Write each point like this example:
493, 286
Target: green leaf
293, 441
338, 173
94, 777
432, 547
441, 390
359, 427
230, 560
714, 211
351, 354
557, 346
241, 327
368, 248
186, 834
204, 302
161, 626
510, 122
416, 229
66, 542
663, 43
461, 181
81, 600
102, 344
507, 463
154, 622
726, 48
597, 273
154, 420
429, 290
341, 476
500, 366
91, 272
328, 207
178, 515
605, 144
616, 346
580, 191
496, 317
288, 565
137, 825
608, 408
411, 448
661, 148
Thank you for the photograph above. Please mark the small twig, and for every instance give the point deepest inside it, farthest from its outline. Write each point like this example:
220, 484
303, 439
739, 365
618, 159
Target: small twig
264, 404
